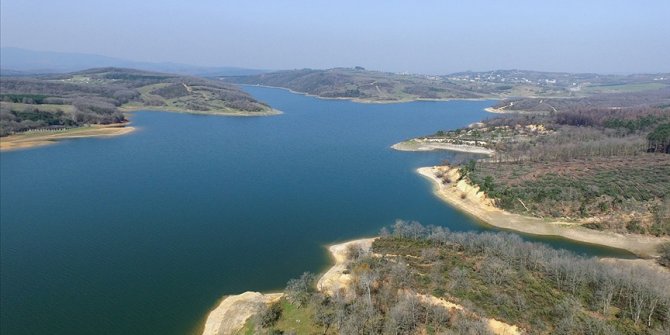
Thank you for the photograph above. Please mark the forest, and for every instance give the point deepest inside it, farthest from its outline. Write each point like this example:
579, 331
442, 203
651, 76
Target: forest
606, 168
100, 96
402, 284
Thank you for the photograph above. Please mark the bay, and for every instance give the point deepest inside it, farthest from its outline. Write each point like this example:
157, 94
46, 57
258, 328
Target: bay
142, 234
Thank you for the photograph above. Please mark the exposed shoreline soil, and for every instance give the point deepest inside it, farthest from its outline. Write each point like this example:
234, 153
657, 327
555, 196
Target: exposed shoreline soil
417, 145
233, 311
168, 109
468, 198
32, 139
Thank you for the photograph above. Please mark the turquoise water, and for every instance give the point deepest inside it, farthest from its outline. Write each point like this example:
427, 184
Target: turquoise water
142, 234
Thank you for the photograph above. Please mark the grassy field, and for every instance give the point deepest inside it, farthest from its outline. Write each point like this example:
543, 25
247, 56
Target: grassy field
293, 320
620, 88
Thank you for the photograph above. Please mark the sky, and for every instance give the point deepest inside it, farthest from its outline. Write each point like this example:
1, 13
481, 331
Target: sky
432, 37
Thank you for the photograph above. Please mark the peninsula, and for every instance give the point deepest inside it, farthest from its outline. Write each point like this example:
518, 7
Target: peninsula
37, 110
415, 279
583, 170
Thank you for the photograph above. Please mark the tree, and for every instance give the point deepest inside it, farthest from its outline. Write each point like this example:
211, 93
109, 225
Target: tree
487, 186
664, 251
324, 313
269, 314
299, 290
659, 139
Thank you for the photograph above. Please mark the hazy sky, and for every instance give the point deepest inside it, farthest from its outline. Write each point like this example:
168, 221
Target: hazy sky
414, 36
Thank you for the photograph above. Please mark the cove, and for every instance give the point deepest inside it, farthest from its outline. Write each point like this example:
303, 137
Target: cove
142, 234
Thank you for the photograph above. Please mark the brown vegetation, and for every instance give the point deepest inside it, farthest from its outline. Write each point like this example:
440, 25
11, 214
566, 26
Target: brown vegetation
421, 280
601, 167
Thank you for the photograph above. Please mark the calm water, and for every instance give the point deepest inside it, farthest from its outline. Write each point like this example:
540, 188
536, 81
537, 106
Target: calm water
142, 234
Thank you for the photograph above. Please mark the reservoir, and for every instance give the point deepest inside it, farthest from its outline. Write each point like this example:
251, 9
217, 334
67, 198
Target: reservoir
143, 233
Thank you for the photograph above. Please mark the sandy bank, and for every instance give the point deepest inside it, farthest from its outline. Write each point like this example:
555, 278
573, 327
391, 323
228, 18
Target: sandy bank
31, 139
496, 110
231, 314
468, 199
233, 311
418, 145
335, 278
504, 111
170, 109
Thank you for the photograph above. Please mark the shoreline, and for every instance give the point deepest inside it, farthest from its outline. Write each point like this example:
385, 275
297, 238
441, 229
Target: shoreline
167, 109
502, 111
417, 146
232, 311
477, 205
367, 101
33, 139
336, 278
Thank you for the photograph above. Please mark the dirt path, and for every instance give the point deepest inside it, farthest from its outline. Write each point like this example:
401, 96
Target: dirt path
468, 199
188, 88
495, 326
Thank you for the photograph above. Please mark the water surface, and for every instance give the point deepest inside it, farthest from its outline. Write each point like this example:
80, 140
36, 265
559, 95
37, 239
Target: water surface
142, 234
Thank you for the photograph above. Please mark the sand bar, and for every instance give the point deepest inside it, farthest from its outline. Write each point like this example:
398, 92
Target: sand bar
418, 145
31, 139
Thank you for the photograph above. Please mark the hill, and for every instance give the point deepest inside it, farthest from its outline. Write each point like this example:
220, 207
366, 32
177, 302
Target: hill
100, 96
373, 86
654, 97
428, 280
585, 163
359, 84
32, 61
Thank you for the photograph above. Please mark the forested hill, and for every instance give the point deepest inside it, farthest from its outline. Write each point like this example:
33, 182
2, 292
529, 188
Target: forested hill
586, 162
372, 86
360, 84
99, 96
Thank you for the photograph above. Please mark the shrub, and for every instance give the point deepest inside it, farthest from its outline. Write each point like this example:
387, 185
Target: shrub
664, 251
